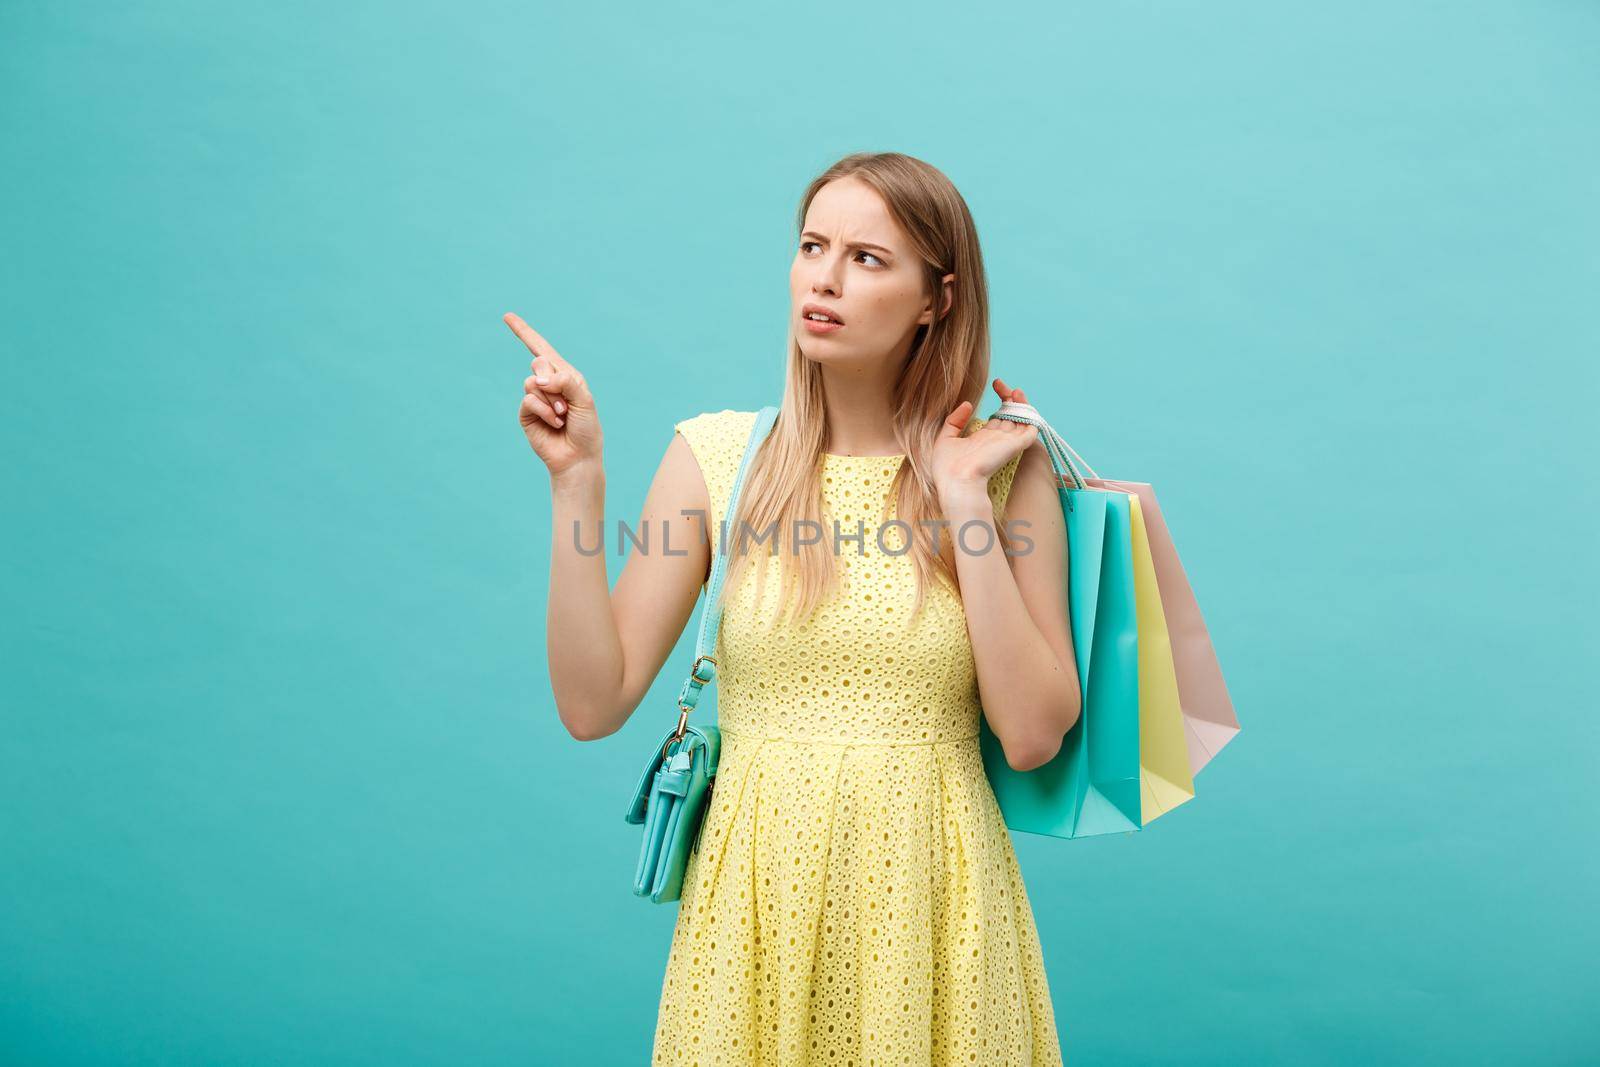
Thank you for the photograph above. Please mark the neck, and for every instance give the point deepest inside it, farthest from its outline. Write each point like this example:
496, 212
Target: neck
860, 410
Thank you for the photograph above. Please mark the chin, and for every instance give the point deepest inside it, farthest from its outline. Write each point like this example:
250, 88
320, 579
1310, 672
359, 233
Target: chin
828, 356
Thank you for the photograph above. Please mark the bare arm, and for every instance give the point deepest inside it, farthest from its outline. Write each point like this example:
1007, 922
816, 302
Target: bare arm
1016, 611
1016, 607
605, 648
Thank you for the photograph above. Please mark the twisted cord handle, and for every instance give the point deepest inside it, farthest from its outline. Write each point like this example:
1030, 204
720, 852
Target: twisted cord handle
1061, 454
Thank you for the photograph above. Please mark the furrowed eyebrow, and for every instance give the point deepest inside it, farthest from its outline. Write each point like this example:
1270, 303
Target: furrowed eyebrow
856, 244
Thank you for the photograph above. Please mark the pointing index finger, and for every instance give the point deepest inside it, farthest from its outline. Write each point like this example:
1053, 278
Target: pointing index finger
530, 337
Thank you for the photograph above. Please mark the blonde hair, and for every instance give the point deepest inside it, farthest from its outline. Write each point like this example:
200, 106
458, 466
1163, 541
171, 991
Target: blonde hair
948, 362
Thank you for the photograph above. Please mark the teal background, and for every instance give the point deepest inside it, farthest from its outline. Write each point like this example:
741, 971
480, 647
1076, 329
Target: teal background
281, 780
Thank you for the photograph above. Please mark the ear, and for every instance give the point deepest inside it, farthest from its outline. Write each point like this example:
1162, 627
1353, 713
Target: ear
948, 296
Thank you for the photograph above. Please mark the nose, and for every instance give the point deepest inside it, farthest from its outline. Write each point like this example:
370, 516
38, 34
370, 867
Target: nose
825, 276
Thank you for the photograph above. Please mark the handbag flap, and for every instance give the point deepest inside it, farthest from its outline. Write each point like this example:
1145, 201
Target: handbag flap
704, 747
641, 793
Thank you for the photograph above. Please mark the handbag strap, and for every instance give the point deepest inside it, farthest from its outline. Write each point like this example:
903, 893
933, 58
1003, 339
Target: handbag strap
711, 610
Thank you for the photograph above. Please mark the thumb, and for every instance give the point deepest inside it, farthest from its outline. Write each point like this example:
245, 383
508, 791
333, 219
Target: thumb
957, 420
564, 382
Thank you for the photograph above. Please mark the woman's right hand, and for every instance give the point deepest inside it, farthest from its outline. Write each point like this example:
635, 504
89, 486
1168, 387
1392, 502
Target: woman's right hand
557, 413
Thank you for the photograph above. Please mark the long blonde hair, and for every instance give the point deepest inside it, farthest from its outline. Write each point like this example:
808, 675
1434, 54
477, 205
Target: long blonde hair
948, 362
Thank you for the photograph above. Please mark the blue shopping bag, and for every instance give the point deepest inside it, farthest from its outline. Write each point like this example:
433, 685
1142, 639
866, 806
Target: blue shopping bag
1092, 785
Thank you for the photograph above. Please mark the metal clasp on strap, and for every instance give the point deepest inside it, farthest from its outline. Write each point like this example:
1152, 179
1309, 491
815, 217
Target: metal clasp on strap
683, 708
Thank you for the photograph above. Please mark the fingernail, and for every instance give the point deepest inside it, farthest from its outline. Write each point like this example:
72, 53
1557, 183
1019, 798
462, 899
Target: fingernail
560, 406
541, 379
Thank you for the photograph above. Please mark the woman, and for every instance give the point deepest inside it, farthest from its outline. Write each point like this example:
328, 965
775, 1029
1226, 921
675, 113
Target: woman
855, 898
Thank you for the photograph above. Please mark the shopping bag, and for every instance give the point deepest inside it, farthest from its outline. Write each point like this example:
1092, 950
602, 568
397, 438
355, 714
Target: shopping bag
1209, 719
1092, 786
1165, 777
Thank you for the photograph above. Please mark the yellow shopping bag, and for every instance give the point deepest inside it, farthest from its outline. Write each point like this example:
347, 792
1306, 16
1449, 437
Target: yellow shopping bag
1165, 780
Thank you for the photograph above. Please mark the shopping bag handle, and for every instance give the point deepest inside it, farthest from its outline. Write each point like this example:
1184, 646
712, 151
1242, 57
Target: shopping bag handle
1055, 445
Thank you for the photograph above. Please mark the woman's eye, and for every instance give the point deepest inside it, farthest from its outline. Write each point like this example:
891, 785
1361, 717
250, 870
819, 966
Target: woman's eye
809, 244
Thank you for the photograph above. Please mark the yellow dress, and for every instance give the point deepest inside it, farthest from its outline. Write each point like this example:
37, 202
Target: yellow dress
855, 899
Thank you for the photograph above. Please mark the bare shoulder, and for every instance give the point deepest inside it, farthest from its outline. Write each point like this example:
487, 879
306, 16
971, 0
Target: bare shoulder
1033, 509
679, 476
1033, 468
678, 502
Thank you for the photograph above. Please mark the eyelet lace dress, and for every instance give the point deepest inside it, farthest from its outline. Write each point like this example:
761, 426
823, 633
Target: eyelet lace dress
855, 900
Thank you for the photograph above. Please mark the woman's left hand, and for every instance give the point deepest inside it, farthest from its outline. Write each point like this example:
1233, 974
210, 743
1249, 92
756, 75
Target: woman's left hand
962, 465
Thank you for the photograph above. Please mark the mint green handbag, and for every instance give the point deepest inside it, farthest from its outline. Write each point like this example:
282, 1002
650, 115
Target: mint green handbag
671, 798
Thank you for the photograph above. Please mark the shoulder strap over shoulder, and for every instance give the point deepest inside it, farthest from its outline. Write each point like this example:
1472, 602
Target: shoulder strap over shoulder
711, 610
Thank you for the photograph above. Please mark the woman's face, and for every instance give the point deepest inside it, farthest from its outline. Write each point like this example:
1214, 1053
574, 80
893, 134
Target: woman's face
855, 262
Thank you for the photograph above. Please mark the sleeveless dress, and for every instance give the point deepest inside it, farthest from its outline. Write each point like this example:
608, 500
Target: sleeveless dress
854, 899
